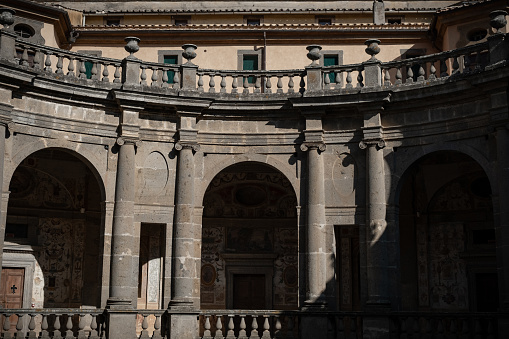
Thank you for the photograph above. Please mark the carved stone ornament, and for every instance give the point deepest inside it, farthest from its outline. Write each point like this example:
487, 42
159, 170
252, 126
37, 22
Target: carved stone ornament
314, 53
179, 146
313, 145
6, 16
132, 45
498, 20
122, 141
189, 52
373, 48
378, 142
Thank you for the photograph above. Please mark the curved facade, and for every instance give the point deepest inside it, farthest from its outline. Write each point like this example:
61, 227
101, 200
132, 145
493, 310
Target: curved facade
356, 199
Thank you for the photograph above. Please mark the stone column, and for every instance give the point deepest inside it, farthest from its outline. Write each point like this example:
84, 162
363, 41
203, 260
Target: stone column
123, 228
376, 250
502, 229
185, 260
315, 227
186, 256
5, 122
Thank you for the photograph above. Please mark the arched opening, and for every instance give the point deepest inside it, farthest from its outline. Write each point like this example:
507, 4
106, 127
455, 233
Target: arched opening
52, 248
447, 238
249, 240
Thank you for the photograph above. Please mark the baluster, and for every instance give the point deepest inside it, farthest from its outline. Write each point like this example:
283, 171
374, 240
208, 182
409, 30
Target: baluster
143, 76
403, 329
82, 70
443, 68
200, 82
302, 84
455, 65
231, 327
420, 75
440, 329
144, 324
477, 329
254, 330
176, 79
81, 327
478, 61
353, 328
24, 57
399, 77
206, 333
360, 79
56, 326
157, 328
349, 79
387, 78
429, 328
277, 333
326, 80
19, 327
432, 71
60, 64
7, 326
93, 326
116, 75
268, 84
153, 79
70, 68
219, 327
466, 63
106, 74
465, 332
68, 325
212, 83
164, 79
44, 327
453, 329
94, 71
31, 327
289, 327
291, 84
223, 84
235, 84
340, 327
37, 60
279, 84
246, 85
258, 84
337, 80
491, 330
416, 329
409, 75
242, 331
266, 328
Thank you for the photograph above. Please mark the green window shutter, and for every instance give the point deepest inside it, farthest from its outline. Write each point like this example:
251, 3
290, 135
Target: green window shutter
250, 63
172, 60
88, 69
331, 60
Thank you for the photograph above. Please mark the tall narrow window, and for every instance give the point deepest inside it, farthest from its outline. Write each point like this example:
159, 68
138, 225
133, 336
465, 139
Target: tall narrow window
331, 60
171, 60
250, 63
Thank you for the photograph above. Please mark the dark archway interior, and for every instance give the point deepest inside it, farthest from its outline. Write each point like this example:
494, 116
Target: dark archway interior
447, 238
54, 216
249, 240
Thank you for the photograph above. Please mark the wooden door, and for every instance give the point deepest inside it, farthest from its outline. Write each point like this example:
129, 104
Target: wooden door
11, 292
249, 291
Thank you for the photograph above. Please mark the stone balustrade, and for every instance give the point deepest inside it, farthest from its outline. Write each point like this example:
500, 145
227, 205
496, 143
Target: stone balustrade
314, 80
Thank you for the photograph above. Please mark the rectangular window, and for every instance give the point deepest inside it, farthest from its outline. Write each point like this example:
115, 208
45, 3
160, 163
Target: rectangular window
181, 20
331, 60
171, 60
253, 20
324, 20
250, 63
394, 20
113, 21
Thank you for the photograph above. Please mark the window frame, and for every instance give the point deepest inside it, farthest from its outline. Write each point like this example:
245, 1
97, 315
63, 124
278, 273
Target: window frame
108, 18
335, 53
332, 19
160, 59
95, 53
240, 61
253, 17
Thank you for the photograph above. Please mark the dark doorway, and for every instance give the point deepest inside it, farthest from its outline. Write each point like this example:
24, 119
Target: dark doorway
249, 291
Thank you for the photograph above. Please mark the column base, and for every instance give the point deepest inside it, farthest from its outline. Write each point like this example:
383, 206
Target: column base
181, 305
183, 325
121, 325
119, 304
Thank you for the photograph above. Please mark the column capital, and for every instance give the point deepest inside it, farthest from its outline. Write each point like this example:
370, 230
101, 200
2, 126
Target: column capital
180, 145
123, 140
320, 146
380, 143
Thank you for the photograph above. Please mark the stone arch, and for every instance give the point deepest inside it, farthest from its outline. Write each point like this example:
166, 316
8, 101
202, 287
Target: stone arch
238, 158
249, 237
86, 156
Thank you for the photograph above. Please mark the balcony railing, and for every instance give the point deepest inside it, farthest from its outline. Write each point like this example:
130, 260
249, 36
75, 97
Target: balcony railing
94, 71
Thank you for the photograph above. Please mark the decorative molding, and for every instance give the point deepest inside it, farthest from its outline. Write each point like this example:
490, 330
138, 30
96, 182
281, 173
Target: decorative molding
129, 141
380, 143
305, 146
180, 145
